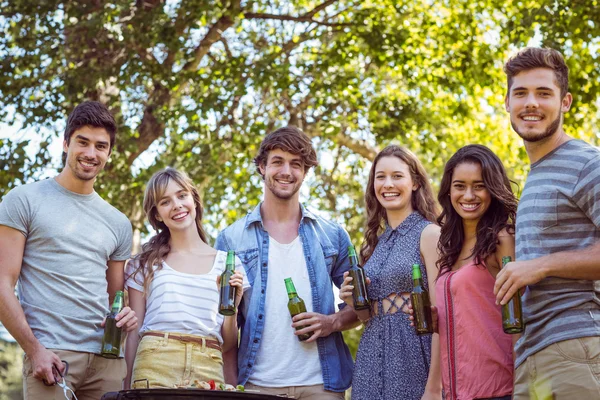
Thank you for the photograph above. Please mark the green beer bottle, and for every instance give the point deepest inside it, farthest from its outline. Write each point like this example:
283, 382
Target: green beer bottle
295, 305
512, 313
227, 292
359, 293
420, 303
111, 341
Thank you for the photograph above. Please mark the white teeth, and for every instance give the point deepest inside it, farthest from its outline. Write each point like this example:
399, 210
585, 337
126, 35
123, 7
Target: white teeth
470, 206
532, 118
284, 182
180, 216
86, 164
391, 194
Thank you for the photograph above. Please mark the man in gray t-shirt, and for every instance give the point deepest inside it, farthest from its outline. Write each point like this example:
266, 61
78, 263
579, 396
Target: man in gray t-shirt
66, 247
557, 232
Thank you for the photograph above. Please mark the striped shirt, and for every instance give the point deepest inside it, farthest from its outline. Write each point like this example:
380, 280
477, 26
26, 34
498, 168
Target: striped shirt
181, 302
559, 210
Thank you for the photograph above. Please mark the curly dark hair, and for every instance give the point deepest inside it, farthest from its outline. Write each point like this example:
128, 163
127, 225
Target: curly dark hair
422, 199
500, 215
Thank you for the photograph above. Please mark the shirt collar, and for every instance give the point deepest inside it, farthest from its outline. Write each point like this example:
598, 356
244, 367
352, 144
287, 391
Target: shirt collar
401, 229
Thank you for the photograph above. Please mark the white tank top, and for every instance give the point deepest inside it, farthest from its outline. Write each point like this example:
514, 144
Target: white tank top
181, 302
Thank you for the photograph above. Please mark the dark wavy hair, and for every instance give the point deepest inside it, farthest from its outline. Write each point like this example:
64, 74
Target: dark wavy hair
500, 215
156, 250
422, 199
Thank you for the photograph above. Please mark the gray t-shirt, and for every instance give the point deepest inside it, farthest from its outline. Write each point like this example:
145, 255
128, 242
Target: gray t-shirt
70, 238
559, 210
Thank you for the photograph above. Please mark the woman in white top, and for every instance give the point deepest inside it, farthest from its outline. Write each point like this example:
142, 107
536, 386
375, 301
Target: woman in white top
173, 289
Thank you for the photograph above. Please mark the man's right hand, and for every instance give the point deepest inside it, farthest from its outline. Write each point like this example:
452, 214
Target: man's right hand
43, 365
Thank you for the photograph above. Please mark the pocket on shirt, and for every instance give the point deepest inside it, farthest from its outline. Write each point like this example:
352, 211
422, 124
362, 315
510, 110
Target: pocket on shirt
249, 259
330, 254
546, 207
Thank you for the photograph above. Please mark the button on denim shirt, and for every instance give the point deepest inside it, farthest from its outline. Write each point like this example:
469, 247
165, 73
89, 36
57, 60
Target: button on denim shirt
325, 245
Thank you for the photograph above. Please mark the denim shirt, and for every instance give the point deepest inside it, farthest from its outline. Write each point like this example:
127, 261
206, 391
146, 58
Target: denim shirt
325, 245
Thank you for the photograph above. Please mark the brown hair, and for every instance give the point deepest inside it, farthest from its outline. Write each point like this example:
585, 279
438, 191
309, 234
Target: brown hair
154, 252
289, 139
500, 215
94, 114
533, 57
422, 199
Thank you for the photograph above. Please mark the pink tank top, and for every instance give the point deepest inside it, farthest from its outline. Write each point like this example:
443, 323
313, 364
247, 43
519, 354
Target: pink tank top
476, 355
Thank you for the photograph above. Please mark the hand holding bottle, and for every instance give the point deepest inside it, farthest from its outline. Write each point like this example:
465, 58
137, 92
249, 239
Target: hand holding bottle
346, 289
126, 320
237, 281
434, 317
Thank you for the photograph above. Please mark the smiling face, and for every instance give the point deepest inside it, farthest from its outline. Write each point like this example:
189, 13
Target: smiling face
87, 152
283, 174
535, 104
468, 194
393, 184
176, 208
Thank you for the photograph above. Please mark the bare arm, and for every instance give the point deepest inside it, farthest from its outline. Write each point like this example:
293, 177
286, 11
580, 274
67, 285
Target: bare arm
575, 264
429, 240
230, 368
12, 246
137, 302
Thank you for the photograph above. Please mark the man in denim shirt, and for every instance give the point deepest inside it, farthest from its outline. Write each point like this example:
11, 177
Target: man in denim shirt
282, 239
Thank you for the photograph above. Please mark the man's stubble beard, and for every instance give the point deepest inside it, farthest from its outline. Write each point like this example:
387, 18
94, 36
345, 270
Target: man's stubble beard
551, 130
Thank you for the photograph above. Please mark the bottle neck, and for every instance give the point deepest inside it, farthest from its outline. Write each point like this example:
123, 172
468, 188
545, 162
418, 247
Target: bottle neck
353, 261
292, 295
117, 307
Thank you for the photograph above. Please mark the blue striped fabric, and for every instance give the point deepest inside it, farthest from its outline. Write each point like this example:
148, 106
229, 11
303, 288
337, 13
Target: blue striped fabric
559, 210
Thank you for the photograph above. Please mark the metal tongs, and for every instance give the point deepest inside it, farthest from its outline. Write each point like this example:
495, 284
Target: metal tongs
68, 392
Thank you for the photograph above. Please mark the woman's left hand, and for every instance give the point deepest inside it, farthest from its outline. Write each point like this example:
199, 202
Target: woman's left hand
237, 281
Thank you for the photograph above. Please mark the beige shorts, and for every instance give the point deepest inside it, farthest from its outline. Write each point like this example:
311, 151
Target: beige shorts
89, 376
567, 370
164, 362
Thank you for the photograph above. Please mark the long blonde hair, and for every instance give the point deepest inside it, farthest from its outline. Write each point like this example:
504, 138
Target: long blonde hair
158, 247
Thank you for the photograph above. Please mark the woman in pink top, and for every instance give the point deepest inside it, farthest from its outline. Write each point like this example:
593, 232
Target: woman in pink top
477, 230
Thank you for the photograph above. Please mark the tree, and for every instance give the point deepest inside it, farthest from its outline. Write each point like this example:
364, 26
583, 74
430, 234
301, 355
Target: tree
196, 85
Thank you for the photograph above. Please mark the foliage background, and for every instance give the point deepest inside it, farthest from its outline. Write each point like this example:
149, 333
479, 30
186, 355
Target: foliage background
196, 84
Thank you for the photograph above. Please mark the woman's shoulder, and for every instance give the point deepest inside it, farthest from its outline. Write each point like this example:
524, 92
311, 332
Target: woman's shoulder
431, 232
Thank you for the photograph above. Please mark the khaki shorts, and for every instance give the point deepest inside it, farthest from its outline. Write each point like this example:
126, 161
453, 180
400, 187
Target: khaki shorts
567, 370
89, 376
313, 392
164, 362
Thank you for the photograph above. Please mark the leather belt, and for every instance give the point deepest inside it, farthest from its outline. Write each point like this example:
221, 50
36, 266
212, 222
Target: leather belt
213, 344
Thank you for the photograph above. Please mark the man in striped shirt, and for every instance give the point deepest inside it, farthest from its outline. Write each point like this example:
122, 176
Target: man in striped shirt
557, 231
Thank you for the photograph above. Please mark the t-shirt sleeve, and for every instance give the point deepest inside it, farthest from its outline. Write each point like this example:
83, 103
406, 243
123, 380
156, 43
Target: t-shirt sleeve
586, 193
123, 250
15, 211
239, 267
134, 277
221, 242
